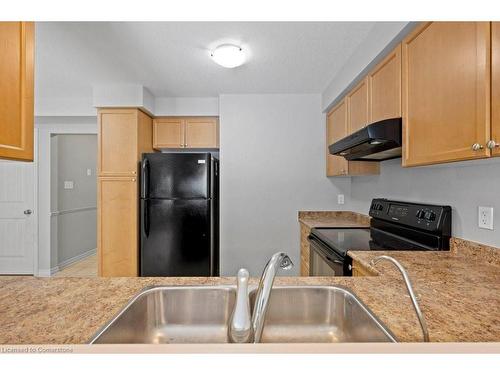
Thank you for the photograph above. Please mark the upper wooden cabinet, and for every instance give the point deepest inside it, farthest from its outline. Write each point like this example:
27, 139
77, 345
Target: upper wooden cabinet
357, 107
123, 135
16, 90
168, 133
494, 143
446, 92
336, 128
202, 132
384, 88
186, 132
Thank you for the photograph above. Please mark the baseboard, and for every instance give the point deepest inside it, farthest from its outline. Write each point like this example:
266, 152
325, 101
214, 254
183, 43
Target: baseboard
51, 271
70, 261
47, 272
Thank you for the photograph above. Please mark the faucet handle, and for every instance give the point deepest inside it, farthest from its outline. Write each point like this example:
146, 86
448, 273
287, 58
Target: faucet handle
240, 324
242, 277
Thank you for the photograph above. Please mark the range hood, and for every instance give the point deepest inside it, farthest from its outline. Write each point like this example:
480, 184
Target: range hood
375, 142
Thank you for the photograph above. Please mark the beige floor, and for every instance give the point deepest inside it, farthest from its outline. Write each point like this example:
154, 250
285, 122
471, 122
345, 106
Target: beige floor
84, 268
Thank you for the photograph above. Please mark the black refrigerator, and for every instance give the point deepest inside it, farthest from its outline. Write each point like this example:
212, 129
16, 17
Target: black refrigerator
179, 214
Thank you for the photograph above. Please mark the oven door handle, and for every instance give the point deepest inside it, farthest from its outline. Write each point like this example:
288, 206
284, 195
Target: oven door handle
334, 260
324, 254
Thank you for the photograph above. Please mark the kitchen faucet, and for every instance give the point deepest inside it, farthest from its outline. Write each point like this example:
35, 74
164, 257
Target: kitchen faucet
242, 326
407, 281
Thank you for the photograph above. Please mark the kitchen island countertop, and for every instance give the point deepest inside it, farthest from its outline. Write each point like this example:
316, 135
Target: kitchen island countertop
459, 293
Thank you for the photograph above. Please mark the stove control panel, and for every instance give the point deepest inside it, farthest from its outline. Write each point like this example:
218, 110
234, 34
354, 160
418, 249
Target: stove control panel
428, 217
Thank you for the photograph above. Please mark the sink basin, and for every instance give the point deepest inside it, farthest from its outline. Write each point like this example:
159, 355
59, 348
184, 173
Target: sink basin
319, 314
297, 314
172, 315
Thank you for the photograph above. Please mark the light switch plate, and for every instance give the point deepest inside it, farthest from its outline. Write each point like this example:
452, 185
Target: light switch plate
89, 172
68, 184
340, 198
485, 217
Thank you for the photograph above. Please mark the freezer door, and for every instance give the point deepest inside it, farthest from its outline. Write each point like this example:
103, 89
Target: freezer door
175, 237
175, 176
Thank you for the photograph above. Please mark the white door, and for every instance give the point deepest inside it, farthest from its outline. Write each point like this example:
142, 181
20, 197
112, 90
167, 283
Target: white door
16, 217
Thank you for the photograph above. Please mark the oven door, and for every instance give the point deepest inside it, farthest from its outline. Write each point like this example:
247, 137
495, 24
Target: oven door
323, 261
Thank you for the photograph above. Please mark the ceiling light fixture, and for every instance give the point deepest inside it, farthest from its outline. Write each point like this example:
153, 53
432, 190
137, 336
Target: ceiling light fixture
228, 55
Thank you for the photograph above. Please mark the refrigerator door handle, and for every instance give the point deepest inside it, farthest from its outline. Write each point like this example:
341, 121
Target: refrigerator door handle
145, 178
145, 218
211, 233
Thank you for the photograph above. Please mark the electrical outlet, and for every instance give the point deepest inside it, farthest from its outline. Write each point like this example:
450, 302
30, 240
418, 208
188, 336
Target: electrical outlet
340, 198
89, 172
485, 217
68, 185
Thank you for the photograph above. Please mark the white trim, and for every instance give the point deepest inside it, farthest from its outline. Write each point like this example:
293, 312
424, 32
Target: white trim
35, 204
73, 210
48, 272
77, 258
43, 272
68, 262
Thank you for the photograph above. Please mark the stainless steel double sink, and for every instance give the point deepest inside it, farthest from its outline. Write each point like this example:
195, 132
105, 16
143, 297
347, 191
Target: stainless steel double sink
200, 314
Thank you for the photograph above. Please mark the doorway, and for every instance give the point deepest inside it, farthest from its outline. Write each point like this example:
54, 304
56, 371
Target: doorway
73, 206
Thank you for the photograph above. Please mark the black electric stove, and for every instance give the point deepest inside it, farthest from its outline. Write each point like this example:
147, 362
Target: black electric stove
394, 225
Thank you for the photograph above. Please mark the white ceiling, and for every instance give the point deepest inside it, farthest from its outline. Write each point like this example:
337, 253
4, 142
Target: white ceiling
172, 58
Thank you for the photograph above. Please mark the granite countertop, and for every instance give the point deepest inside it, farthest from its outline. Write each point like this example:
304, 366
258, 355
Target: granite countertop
70, 310
315, 219
459, 293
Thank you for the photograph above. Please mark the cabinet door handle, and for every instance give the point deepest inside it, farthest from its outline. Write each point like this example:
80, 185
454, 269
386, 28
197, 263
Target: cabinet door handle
477, 147
492, 144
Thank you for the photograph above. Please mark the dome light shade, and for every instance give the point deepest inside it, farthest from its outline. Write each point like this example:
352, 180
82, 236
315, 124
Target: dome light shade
228, 55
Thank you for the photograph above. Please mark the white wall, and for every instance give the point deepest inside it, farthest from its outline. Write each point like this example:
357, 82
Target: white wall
69, 106
123, 95
272, 165
464, 186
199, 106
